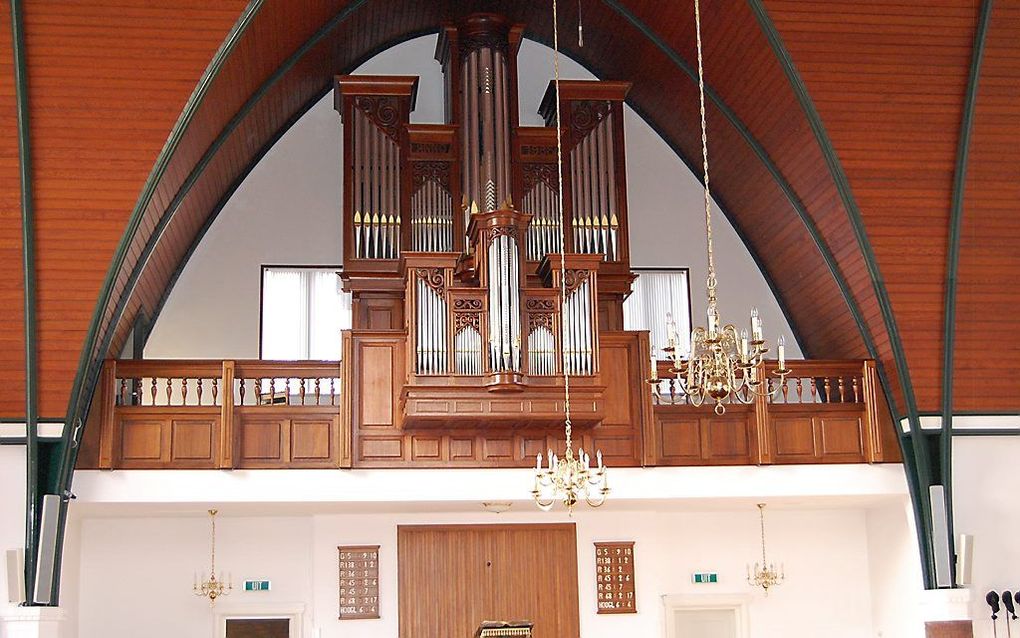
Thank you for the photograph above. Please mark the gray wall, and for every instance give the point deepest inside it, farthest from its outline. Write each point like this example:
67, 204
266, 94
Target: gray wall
288, 212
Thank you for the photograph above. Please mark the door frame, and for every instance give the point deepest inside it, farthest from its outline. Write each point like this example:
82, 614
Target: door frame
737, 603
224, 611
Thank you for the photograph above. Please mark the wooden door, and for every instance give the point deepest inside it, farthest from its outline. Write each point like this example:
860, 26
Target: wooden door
451, 578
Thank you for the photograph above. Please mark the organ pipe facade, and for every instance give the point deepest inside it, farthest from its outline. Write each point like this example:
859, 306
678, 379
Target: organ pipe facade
454, 232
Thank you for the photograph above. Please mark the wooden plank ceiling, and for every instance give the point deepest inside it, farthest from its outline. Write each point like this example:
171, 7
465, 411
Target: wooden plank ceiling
12, 283
109, 78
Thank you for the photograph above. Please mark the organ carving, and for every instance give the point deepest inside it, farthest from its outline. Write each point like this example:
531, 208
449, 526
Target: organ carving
457, 229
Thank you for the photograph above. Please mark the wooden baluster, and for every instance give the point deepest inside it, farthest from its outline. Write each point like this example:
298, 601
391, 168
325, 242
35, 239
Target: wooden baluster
215, 390
672, 391
301, 388
154, 391
272, 389
199, 389
122, 393
842, 390
769, 388
184, 391
857, 396
332, 391
241, 390
258, 388
169, 389
828, 390
318, 393
800, 390
785, 390
813, 386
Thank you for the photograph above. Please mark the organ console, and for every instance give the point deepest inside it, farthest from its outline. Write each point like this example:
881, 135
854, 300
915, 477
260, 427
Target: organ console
454, 231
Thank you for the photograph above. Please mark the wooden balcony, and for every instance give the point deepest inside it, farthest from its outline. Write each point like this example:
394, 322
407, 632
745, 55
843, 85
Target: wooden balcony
215, 414
202, 414
825, 412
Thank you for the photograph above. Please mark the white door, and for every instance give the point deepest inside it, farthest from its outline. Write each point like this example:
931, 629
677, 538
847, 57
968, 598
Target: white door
705, 623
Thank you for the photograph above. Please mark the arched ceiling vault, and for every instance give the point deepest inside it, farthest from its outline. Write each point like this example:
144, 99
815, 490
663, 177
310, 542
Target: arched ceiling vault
834, 129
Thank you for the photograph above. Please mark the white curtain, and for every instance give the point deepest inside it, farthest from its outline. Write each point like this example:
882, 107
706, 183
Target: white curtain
657, 293
303, 312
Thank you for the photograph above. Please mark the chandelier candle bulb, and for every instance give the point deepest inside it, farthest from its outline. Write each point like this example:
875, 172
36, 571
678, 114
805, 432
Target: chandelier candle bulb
781, 350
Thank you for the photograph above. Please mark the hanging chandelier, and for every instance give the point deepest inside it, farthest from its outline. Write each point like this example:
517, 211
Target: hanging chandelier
722, 365
571, 478
765, 574
212, 588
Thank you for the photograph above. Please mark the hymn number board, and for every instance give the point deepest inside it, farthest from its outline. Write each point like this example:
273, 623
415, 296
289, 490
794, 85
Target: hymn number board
614, 578
359, 581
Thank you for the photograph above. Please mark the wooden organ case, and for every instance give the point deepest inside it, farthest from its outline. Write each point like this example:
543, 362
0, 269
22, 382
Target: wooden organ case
453, 256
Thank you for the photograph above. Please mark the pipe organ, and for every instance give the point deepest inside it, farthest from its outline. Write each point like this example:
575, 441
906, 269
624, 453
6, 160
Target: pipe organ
453, 232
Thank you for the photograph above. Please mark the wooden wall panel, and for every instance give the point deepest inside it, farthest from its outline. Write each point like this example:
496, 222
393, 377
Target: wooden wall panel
281, 437
161, 438
12, 284
451, 578
691, 437
829, 435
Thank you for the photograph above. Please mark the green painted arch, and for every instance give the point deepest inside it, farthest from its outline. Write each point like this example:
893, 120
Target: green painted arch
953, 258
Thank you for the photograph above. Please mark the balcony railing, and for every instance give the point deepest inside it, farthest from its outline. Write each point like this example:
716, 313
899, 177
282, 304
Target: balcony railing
216, 414
221, 414
826, 411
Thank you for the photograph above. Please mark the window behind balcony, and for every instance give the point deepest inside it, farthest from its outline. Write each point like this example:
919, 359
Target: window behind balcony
656, 293
303, 312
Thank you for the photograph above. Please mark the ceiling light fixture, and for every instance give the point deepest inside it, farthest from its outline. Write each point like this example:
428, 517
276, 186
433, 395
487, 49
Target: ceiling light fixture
571, 478
765, 574
213, 588
722, 365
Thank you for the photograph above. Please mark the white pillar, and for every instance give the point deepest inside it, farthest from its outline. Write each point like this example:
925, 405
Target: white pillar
32, 622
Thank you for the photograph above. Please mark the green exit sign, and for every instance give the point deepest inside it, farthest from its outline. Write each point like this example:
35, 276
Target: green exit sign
256, 585
705, 577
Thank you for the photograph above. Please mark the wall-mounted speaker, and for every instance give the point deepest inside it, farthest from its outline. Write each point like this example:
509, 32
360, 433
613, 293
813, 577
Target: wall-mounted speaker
16, 576
940, 536
964, 559
47, 559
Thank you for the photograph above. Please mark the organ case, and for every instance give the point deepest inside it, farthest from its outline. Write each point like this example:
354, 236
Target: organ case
454, 234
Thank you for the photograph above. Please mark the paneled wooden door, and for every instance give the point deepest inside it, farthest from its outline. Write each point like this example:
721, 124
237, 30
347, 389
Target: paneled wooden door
453, 577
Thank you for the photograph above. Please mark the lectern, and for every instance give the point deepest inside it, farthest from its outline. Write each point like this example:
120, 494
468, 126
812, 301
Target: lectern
500, 628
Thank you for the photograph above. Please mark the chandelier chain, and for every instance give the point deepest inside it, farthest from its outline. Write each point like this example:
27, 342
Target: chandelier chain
761, 515
711, 282
563, 262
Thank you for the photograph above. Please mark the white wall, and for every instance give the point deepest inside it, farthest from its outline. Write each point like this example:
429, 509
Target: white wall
895, 571
137, 572
12, 506
985, 504
288, 212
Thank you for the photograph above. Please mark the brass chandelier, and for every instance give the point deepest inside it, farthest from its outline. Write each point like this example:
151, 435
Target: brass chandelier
765, 574
212, 587
572, 478
722, 364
